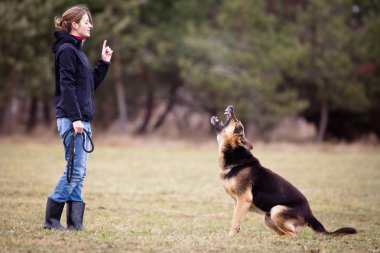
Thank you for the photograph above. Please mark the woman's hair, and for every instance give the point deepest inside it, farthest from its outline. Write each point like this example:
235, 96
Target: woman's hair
73, 14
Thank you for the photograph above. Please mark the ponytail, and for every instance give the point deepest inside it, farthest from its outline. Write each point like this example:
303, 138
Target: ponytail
60, 25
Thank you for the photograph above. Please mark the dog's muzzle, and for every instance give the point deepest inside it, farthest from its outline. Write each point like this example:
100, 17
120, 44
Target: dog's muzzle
219, 125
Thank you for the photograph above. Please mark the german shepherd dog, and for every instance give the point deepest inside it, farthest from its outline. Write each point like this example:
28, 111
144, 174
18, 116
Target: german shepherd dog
255, 188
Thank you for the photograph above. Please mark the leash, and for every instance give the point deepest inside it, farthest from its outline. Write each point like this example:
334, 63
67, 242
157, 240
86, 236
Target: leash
71, 147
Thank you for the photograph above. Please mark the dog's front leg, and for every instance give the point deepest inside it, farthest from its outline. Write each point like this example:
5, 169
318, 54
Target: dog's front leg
242, 206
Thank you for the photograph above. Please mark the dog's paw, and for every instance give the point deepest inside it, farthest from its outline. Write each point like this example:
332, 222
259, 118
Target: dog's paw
234, 231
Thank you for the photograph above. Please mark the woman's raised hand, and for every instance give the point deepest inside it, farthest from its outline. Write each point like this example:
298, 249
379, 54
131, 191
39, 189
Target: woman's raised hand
106, 52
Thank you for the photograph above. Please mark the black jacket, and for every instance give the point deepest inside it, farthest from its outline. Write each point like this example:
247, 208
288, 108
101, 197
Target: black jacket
75, 79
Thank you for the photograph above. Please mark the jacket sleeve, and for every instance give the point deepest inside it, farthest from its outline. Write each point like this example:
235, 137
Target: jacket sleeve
67, 82
100, 72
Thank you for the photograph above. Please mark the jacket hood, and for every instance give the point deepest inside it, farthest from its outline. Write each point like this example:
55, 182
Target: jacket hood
64, 37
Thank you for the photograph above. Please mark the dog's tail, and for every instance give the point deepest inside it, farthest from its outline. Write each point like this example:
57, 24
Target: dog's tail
319, 228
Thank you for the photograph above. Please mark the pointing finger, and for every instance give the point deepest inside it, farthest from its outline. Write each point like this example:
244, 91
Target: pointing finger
104, 43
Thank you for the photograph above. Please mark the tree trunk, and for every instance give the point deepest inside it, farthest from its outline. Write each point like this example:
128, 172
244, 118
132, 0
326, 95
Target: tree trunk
32, 117
169, 106
121, 122
149, 100
148, 112
9, 116
46, 111
323, 121
9, 107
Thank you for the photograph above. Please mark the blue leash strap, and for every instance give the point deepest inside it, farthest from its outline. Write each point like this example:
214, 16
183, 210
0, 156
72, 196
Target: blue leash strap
71, 147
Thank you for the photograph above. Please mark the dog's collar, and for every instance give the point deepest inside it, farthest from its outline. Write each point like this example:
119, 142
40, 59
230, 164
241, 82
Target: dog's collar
242, 163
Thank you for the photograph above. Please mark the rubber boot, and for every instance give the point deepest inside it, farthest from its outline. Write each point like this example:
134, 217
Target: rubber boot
74, 214
53, 215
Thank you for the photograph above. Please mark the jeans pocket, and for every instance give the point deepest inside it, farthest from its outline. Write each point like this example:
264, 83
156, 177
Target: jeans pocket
59, 125
63, 125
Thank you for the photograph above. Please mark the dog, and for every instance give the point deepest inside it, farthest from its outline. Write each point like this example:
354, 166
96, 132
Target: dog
256, 188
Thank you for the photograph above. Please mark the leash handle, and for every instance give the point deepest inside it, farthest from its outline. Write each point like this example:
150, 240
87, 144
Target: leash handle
84, 140
85, 132
70, 162
71, 147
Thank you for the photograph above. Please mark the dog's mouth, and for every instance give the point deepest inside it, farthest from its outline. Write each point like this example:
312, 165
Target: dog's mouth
219, 125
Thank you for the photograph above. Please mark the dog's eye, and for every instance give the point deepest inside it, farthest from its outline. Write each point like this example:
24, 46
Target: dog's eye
238, 129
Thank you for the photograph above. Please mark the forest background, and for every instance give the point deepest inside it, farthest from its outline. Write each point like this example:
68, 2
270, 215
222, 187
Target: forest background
178, 62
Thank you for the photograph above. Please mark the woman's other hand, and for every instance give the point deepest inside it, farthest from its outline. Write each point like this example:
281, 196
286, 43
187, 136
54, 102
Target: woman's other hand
78, 127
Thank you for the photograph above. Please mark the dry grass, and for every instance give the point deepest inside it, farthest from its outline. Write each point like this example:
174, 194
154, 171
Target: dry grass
143, 197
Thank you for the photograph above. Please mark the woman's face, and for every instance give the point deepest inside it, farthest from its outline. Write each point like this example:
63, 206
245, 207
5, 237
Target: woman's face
84, 27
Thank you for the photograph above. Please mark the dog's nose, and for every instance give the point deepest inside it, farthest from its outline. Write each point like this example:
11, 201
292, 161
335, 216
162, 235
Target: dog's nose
230, 109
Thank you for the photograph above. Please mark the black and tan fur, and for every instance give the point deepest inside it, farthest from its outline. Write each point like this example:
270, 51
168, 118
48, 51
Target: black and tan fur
255, 188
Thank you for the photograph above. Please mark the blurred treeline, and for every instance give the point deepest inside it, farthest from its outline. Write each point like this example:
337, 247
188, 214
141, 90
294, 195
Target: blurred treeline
271, 59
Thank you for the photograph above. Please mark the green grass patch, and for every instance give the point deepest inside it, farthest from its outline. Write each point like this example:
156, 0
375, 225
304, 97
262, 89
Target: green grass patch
168, 199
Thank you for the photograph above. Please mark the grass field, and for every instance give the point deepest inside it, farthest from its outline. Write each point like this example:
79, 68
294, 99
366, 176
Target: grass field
148, 198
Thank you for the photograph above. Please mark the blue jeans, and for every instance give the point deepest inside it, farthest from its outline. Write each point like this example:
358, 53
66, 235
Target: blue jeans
65, 191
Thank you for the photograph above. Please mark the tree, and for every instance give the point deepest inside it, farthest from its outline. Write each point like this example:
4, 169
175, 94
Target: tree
327, 79
366, 24
240, 61
25, 60
271, 59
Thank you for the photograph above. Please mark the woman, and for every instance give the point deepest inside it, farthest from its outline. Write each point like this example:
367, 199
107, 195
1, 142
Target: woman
74, 99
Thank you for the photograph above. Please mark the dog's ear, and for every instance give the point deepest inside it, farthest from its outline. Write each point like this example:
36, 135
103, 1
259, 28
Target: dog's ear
245, 143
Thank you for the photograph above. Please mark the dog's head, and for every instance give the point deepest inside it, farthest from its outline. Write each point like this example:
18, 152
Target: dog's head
231, 133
